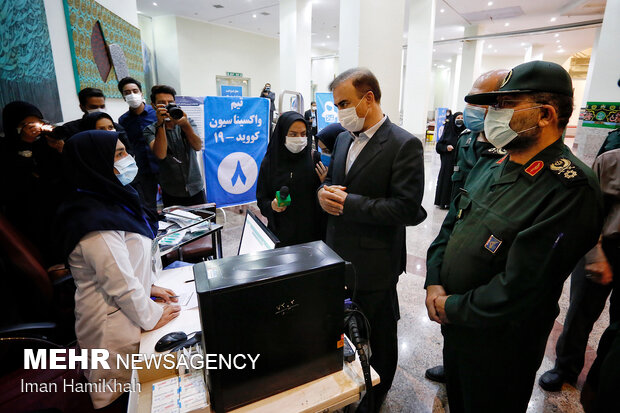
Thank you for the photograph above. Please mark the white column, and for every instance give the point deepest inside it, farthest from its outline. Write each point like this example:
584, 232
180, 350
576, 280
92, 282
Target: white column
602, 79
349, 34
455, 73
538, 52
528, 54
295, 47
419, 65
470, 66
380, 50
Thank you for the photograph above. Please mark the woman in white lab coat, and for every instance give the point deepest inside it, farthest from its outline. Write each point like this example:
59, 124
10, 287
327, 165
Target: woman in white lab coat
107, 238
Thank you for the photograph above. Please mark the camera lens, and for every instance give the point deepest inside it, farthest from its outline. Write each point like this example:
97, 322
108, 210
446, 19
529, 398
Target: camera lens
174, 111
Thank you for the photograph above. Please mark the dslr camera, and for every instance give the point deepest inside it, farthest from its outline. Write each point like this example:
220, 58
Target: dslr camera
174, 111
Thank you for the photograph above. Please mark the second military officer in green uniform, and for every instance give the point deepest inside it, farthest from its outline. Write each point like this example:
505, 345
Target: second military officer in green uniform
511, 238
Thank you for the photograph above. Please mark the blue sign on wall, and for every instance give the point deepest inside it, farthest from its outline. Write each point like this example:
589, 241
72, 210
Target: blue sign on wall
326, 110
226, 90
440, 118
236, 135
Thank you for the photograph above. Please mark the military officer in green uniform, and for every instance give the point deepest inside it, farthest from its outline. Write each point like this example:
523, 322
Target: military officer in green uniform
512, 236
472, 144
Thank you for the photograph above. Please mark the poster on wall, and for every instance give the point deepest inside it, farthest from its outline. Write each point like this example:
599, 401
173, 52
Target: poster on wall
27, 69
228, 90
104, 47
236, 136
440, 119
326, 110
596, 120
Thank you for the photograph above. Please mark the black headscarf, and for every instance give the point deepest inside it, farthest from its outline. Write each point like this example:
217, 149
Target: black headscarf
13, 113
276, 151
89, 121
99, 202
451, 132
328, 135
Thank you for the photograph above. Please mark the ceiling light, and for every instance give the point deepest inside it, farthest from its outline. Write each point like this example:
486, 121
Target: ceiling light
495, 51
323, 44
434, 50
442, 38
328, 36
490, 3
506, 24
254, 16
556, 35
154, 4
557, 41
490, 46
523, 44
560, 50
552, 19
442, 10
449, 60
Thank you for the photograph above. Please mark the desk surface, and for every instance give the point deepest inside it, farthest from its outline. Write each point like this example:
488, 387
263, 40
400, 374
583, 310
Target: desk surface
330, 392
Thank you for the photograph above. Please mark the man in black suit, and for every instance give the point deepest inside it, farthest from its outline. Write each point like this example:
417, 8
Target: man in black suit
311, 120
373, 189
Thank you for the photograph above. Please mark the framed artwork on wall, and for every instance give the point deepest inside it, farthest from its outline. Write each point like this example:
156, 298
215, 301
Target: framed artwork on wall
104, 47
26, 62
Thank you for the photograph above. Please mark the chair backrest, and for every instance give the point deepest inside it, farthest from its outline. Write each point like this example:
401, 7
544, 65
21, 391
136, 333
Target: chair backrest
24, 257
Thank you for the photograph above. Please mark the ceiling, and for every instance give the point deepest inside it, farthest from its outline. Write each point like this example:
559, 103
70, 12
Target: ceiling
452, 16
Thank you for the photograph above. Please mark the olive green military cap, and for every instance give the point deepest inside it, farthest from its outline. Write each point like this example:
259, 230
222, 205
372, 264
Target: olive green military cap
530, 77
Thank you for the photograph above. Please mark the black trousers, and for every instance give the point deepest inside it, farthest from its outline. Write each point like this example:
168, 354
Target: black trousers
493, 369
612, 252
587, 302
381, 309
169, 200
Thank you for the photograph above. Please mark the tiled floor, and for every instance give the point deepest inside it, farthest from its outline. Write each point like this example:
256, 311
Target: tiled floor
420, 340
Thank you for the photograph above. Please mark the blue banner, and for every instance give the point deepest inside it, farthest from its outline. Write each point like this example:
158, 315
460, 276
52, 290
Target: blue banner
326, 110
440, 120
226, 90
236, 136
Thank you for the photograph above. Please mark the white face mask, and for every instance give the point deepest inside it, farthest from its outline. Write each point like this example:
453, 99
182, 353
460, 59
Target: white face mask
497, 126
349, 120
296, 144
102, 110
134, 100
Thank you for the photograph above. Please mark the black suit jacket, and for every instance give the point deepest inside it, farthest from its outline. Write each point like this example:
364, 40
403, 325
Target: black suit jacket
308, 117
385, 186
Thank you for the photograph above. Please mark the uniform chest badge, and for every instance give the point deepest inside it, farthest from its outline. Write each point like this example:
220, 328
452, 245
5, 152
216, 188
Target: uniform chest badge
534, 168
493, 244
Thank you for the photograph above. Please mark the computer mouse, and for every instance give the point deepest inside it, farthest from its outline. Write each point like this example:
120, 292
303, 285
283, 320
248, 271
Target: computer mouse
170, 340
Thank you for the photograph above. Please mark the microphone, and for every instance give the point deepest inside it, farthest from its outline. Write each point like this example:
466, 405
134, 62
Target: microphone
283, 197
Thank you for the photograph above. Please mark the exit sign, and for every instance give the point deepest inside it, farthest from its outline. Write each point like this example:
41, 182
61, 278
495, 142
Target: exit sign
235, 74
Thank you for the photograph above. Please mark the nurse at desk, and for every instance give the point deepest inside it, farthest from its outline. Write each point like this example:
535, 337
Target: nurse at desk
107, 238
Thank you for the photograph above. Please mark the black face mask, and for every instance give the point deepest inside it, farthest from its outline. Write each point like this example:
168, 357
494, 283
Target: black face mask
458, 123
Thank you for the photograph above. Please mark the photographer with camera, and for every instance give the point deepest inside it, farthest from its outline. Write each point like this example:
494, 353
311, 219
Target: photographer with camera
174, 141
31, 167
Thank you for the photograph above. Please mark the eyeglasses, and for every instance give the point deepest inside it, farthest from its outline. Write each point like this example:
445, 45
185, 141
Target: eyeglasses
511, 103
296, 134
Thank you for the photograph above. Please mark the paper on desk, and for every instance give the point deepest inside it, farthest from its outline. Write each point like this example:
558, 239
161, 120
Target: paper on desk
162, 225
172, 239
183, 218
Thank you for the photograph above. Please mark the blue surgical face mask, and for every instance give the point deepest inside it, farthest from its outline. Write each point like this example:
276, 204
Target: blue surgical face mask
473, 116
127, 169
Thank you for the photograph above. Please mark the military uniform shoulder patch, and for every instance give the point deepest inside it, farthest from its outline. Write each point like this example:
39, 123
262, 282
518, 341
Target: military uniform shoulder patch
569, 173
534, 168
494, 152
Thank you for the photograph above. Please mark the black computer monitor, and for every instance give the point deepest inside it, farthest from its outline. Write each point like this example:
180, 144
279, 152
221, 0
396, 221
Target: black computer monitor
256, 236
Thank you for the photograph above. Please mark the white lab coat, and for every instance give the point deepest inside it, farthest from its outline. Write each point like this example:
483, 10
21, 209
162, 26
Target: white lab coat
113, 274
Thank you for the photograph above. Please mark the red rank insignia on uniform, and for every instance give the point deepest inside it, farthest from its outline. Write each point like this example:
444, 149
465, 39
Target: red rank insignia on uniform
534, 168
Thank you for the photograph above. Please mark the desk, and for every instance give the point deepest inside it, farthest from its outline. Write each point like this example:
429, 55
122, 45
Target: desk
325, 394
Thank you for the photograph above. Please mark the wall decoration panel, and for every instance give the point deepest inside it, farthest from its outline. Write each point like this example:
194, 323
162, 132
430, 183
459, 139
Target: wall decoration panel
26, 63
89, 43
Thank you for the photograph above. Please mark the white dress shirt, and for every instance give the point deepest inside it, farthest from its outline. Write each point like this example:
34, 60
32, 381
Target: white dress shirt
359, 142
